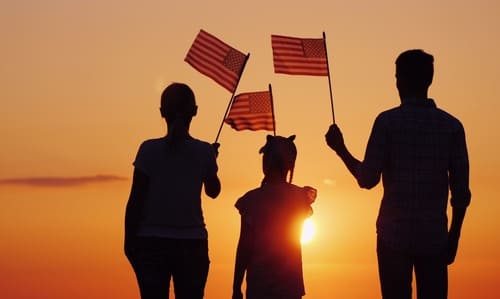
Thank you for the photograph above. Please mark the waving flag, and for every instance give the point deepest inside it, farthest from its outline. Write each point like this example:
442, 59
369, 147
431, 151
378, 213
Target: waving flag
299, 56
251, 111
217, 60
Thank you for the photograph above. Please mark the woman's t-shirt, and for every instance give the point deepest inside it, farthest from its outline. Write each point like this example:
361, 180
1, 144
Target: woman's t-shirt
176, 174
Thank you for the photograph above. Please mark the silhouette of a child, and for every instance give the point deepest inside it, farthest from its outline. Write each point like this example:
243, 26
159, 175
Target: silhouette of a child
269, 248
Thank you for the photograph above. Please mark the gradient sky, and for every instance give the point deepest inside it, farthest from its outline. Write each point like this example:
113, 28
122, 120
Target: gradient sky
81, 82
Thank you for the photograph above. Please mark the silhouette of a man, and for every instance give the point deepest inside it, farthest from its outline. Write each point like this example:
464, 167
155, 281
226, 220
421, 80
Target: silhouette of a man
420, 152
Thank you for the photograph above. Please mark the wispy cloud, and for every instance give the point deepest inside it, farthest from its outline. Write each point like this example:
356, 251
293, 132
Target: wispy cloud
61, 181
329, 182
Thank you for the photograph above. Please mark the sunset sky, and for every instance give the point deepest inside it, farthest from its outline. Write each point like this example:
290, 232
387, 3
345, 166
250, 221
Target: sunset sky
81, 83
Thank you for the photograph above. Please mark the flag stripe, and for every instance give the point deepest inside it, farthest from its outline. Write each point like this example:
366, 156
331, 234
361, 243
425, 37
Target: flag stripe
256, 119
213, 43
241, 127
301, 65
299, 56
213, 71
255, 116
245, 124
251, 111
296, 59
207, 55
211, 66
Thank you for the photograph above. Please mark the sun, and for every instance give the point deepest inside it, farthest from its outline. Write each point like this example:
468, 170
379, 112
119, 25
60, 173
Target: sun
308, 231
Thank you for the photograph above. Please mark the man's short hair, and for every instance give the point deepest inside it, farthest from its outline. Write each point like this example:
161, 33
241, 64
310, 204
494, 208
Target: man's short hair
415, 68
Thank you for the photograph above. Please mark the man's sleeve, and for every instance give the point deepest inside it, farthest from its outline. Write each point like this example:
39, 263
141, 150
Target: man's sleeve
369, 171
459, 170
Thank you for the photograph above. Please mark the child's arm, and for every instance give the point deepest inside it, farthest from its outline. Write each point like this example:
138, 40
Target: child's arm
311, 194
241, 262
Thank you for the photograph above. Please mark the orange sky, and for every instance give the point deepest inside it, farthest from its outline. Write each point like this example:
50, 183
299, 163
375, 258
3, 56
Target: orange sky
80, 90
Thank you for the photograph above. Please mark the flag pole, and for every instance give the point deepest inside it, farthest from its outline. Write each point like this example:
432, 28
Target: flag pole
232, 97
329, 78
272, 108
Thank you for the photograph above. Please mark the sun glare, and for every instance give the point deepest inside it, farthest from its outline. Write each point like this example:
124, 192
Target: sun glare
308, 231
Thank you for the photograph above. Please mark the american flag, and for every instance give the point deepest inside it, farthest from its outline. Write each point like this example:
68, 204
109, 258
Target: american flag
217, 60
299, 56
251, 111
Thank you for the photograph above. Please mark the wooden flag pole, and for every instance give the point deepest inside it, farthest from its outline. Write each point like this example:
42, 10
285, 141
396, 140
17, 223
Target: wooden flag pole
272, 109
232, 97
329, 79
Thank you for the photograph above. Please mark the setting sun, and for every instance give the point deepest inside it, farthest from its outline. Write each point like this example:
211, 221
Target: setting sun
308, 231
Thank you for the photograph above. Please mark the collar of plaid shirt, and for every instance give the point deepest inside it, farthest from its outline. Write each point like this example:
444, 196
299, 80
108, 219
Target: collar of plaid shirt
419, 102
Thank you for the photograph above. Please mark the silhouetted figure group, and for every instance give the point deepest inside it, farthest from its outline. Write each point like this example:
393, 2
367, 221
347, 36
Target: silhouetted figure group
418, 150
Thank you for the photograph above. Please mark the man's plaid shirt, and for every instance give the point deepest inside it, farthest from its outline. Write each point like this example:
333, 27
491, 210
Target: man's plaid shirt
421, 153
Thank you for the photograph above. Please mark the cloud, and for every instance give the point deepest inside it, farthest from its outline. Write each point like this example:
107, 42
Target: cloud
61, 181
329, 182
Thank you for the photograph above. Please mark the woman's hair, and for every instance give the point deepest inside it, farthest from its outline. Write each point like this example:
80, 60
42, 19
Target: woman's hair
178, 106
279, 153
177, 102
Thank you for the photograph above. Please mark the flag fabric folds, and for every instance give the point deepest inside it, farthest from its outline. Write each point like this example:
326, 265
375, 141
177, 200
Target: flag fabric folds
299, 56
251, 111
217, 60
